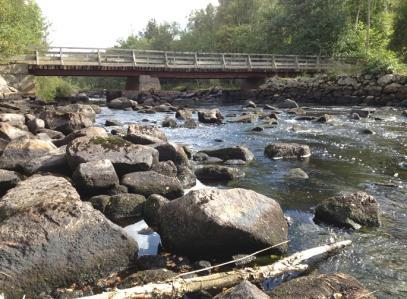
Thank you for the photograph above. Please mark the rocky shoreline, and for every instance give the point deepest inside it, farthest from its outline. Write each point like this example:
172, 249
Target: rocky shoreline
69, 188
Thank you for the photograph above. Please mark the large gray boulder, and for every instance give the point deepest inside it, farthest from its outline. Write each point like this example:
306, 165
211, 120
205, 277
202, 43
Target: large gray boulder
95, 176
215, 222
85, 132
125, 156
145, 135
150, 182
69, 118
231, 153
212, 116
337, 285
287, 151
172, 152
244, 290
22, 151
349, 210
119, 103
51, 244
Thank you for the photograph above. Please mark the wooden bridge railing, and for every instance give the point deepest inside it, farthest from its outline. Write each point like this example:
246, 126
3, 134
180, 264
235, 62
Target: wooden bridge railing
172, 60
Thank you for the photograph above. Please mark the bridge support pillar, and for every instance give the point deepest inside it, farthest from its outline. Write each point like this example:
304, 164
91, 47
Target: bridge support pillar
143, 83
251, 83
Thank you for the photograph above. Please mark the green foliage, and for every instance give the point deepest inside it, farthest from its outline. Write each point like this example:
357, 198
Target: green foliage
21, 26
49, 88
399, 37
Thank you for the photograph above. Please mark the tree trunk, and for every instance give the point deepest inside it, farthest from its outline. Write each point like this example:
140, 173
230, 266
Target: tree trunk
178, 287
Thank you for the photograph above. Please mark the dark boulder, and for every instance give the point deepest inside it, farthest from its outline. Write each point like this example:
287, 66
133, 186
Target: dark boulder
337, 285
113, 123
217, 173
150, 182
169, 122
167, 168
190, 124
152, 208
230, 153
351, 210
287, 150
122, 209
215, 222
326, 118
186, 176
173, 152
95, 176
287, 104
364, 112
125, 156
8, 180
120, 103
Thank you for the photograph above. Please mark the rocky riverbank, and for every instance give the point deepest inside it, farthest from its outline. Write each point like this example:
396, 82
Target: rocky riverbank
71, 187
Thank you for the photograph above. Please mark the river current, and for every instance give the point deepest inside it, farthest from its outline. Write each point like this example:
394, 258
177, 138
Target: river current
343, 159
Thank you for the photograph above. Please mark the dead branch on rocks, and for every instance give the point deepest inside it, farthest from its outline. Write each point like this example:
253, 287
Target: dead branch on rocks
178, 287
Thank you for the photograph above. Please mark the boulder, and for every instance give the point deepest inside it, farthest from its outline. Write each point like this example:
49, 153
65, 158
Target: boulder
119, 103
287, 151
150, 182
385, 80
215, 222
245, 118
55, 162
326, 118
288, 104
59, 243
145, 135
352, 210
216, 173
151, 211
125, 156
13, 119
231, 153
9, 132
244, 290
22, 151
67, 119
297, 173
113, 123
212, 116
172, 152
167, 168
8, 180
35, 125
348, 81
337, 285
364, 112
393, 88
169, 122
95, 176
122, 209
183, 114
250, 104
54, 135
190, 124
86, 132
186, 177
258, 129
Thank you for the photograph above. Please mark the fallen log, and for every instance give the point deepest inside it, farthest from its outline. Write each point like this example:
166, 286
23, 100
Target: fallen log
178, 287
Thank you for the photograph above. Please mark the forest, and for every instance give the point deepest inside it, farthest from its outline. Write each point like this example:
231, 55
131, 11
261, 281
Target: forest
372, 31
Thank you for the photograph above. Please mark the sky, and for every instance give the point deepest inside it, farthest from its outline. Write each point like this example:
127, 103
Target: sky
100, 23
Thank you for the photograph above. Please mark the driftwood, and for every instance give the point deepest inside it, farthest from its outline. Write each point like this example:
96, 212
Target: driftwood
178, 287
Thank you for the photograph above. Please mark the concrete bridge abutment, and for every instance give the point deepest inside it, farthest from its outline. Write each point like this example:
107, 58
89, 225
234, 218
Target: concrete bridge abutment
143, 83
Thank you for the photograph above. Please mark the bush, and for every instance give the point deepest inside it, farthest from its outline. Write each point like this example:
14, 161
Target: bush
48, 88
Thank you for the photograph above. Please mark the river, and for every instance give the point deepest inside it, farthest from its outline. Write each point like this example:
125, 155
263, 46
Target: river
343, 159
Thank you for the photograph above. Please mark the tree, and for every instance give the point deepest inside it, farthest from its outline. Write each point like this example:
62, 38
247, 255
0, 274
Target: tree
399, 38
21, 26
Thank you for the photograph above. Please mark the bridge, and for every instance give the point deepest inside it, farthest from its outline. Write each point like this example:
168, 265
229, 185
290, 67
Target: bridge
144, 67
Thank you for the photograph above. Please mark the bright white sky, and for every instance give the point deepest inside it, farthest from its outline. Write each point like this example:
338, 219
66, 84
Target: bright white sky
100, 23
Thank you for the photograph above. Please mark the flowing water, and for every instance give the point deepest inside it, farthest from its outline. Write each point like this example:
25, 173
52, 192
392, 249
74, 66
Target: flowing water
343, 159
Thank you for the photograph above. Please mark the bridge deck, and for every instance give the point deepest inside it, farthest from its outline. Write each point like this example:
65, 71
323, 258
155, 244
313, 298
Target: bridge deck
123, 62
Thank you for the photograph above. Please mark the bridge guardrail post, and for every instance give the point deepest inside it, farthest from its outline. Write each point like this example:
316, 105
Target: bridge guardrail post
134, 58
60, 56
318, 63
37, 57
249, 62
273, 59
196, 60
297, 65
223, 61
99, 58
166, 59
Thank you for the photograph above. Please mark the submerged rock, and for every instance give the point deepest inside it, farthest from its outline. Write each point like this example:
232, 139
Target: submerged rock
217, 173
231, 153
297, 173
125, 156
150, 182
215, 222
349, 210
212, 116
190, 124
337, 285
326, 118
113, 123
245, 290
287, 150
